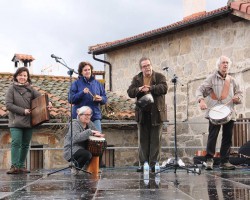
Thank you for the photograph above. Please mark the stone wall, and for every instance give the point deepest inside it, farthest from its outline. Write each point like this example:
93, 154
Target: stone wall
123, 138
49, 137
191, 55
125, 142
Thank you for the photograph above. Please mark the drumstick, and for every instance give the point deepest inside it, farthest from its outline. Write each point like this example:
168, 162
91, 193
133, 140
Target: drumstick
214, 110
226, 103
220, 107
91, 94
33, 108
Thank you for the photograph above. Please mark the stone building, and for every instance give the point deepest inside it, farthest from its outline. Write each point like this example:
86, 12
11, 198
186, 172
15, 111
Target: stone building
189, 48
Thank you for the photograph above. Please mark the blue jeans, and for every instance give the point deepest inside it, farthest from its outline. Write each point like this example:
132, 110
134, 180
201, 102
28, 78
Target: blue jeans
20, 142
98, 125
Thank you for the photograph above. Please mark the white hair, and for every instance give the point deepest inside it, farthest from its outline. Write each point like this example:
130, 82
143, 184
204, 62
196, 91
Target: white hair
83, 109
218, 62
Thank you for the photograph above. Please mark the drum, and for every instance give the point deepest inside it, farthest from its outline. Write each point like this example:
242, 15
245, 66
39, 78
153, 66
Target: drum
145, 100
40, 112
220, 114
96, 145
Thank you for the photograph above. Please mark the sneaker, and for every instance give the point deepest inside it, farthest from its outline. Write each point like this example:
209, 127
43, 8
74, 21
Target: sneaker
139, 169
13, 170
227, 166
74, 171
23, 170
209, 164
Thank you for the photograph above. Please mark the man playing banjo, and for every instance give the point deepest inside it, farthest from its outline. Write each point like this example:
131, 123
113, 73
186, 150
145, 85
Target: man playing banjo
222, 92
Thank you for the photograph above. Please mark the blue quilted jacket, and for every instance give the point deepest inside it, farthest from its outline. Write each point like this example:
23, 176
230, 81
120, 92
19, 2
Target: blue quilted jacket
79, 98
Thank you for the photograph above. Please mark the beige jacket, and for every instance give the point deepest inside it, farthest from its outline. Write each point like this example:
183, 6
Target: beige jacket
215, 82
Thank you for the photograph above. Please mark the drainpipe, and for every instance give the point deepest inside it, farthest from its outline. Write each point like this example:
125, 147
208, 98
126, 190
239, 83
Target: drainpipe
110, 70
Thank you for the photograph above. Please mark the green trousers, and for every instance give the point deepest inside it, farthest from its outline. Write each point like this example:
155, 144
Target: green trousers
149, 142
20, 141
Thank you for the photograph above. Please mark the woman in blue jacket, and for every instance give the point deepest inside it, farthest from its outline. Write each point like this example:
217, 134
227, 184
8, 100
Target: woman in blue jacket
87, 91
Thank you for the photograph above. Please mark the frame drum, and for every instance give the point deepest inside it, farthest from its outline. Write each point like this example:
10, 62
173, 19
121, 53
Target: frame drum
220, 114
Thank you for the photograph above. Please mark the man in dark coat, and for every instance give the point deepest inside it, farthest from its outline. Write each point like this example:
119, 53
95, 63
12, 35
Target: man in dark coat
150, 111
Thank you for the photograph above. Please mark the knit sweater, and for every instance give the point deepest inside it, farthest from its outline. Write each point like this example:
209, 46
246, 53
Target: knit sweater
79, 137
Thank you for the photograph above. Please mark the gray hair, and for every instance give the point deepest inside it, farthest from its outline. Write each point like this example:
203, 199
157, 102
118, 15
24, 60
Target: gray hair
218, 62
82, 110
142, 59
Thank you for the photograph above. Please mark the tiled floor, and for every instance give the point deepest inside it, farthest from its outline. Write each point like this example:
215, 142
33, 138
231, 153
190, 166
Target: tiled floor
125, 183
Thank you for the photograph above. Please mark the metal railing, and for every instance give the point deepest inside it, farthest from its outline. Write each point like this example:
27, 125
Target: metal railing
242, 124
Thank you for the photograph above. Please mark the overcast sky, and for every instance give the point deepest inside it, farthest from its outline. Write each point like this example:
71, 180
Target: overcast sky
67, 28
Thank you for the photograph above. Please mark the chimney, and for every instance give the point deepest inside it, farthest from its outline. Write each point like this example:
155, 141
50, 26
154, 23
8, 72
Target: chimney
193, 8
23, 60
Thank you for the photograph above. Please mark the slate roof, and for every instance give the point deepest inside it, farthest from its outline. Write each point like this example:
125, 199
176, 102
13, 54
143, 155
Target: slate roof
118, 107
238, 8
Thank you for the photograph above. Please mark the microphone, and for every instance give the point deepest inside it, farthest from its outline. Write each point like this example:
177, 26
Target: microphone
56, 57
165, 68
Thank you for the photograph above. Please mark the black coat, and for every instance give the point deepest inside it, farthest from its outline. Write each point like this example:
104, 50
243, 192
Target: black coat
158, 89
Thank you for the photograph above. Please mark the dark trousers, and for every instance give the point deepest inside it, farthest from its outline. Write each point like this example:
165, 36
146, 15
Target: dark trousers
149, 141
81, 157
226, 142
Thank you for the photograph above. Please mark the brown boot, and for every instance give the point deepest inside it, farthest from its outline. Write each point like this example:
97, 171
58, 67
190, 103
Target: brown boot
13, 170
23, 170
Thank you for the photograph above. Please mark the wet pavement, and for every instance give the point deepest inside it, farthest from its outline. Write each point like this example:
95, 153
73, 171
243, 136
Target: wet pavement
125, 183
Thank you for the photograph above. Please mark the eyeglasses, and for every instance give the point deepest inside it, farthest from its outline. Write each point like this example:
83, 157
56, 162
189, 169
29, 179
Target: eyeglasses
88, 115
145, 66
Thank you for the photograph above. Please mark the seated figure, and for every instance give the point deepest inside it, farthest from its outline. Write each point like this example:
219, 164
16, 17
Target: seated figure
82, 128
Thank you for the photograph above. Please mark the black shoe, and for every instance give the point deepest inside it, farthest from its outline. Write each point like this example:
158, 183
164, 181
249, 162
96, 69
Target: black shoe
139, 169
153, 169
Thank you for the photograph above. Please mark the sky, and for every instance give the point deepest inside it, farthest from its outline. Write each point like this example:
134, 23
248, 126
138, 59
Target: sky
66, 28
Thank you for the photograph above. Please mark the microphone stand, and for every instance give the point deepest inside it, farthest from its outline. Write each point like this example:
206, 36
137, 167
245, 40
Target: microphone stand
70, 73
175, 163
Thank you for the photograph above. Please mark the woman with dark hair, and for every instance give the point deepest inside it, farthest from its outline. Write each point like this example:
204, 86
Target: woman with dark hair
18, 101
87, 91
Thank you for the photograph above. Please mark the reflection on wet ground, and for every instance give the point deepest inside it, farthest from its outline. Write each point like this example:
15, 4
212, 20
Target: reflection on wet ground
125, 183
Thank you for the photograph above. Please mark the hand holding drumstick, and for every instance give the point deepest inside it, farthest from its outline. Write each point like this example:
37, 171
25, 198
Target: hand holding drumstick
29, 111
236, 99
203, 105
95, 97
86, 90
